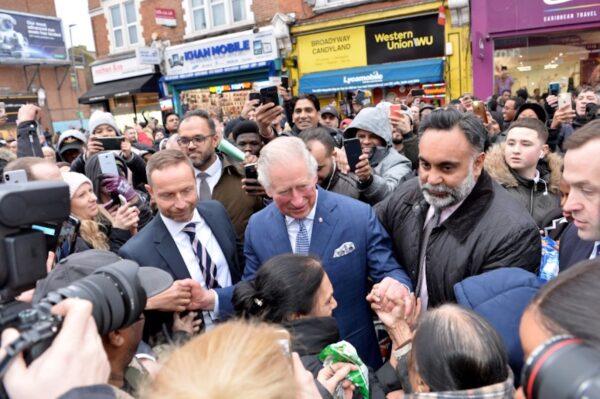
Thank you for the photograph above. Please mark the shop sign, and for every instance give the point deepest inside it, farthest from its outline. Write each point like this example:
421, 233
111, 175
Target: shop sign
344, 48
28, 38
121, 69
220, 54
165, 17
404, 39
516, 15
147, 55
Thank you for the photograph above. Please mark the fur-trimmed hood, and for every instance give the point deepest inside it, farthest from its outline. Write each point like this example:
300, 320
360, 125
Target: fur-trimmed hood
497, 167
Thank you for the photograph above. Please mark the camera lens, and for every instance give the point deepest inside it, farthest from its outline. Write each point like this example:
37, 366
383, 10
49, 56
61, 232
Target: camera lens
116, 294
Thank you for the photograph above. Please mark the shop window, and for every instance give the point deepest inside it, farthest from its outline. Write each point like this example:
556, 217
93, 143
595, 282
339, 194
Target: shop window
123, 24
206, 16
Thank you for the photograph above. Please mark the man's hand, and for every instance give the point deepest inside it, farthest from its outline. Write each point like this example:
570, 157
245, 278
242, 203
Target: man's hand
331, 376
175, 299
552, 101
249, 105
492, 127
363, 168
28, 112
202, 299
187, 323
564, 115
284, 93
341, 160
126, 150
93, 147
388, 293
265, 115
75, 358
253, 188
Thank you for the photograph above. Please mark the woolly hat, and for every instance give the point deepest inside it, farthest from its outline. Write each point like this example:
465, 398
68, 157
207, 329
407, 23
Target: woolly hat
102, 118
75, 180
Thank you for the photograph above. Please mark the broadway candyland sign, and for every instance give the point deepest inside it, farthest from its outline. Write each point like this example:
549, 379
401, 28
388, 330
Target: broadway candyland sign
512, 15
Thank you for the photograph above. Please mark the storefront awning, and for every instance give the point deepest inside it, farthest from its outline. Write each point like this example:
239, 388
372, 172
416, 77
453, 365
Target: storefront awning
121, 88
382, 75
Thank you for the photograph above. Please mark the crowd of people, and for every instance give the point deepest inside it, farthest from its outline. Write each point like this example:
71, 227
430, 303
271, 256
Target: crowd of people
452, 254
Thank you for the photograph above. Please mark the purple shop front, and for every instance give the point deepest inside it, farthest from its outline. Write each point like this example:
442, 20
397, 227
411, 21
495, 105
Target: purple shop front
492, 19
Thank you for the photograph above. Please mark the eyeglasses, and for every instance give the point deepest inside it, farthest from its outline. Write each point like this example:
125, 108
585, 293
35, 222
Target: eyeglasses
185, 141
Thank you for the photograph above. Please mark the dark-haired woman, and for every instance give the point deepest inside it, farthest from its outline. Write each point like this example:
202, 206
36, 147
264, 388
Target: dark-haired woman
294, 290
567, 306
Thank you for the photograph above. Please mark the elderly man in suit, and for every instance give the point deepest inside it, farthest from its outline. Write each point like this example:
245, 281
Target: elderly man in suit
194, 241
343, 232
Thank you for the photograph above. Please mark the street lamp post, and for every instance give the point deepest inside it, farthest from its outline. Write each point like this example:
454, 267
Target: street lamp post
74, 72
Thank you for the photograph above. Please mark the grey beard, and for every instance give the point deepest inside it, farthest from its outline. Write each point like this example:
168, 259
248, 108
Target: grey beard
453, 195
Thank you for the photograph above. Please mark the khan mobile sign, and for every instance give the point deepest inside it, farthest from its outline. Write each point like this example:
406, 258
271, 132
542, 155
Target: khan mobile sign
27, 38
221, 54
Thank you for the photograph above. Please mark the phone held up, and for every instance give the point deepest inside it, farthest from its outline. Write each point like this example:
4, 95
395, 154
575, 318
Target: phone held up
353, 152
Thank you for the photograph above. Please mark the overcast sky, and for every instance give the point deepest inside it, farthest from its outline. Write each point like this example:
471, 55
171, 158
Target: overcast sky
76, 12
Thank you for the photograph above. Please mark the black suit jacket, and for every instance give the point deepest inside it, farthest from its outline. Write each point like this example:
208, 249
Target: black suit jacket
572, 248
154, 246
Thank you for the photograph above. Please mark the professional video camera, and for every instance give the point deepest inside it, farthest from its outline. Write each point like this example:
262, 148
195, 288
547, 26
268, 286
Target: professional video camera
115, 290
562, 368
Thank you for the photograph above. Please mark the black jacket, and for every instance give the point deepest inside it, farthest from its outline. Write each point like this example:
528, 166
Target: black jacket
136, 165
489, 230
311, 335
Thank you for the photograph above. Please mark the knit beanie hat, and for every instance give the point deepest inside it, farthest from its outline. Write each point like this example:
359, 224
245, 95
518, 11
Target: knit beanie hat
102, 118
75, 180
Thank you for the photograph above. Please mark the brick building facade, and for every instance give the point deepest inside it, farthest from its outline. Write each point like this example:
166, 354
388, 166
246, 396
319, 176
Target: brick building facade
20, 82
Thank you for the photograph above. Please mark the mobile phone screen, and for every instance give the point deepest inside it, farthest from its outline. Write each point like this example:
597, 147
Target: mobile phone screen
67, 237
353, 151
110, 143
269, 95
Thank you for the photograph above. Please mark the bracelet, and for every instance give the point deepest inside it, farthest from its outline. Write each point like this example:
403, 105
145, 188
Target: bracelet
403, 349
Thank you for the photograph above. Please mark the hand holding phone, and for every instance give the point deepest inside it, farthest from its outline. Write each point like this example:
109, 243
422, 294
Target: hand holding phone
564, 101
110, 143
67, 238
269, 95
353, 152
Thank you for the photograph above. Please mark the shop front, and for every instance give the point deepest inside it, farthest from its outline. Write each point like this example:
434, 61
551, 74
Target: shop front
218, 73
531, 44
389, 58
127, 89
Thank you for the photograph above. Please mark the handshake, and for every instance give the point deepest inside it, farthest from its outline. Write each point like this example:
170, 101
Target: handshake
183, 295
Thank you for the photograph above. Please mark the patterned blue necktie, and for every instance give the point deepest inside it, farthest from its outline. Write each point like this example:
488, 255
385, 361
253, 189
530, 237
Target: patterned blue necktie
302, 240
202, 257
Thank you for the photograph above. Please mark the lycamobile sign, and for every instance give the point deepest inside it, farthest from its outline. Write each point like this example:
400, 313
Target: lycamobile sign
373, 77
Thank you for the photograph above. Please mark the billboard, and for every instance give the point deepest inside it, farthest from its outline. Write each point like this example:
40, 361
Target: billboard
27, 38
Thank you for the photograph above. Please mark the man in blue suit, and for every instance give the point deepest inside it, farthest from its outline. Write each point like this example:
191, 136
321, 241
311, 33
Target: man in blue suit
343, 232
194, 241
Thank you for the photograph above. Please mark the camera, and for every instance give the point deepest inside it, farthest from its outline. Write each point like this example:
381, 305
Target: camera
562, 368
115, 290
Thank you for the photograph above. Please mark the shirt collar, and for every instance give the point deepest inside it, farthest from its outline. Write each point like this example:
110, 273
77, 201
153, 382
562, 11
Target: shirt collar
174, 227
212, 169
310, 217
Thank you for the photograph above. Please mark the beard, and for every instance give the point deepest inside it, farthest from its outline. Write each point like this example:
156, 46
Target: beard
451, 195
201, 160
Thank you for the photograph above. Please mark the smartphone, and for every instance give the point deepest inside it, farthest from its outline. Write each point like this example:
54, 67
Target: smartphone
479, 110
15, 177
269, 95
250, 171
285, 82
417, 92
110, 143
554, 88
108, 164
254, 96
67, 238
564, 100
353, 151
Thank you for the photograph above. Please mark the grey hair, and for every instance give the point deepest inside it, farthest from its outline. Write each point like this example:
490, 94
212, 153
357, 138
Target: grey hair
280, 152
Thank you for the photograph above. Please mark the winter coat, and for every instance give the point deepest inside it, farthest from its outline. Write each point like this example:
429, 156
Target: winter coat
342, 184
539, 197
388, 165
489, 230
135, 164
501, 297
311, 335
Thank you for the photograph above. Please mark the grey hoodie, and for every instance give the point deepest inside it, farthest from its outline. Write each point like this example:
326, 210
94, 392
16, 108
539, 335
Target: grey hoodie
388, 165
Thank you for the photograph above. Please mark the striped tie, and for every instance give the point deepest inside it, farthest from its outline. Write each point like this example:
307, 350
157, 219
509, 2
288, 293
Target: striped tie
202, 257
302, 240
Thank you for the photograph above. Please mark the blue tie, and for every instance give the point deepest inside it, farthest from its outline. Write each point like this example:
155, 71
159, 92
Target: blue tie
202, 257
302, 240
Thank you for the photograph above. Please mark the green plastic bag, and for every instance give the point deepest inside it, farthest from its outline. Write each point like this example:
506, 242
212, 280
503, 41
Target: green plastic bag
344, 352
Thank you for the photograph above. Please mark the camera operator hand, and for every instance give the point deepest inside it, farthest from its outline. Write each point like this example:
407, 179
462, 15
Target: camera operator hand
76, 357
175, 299
28, 112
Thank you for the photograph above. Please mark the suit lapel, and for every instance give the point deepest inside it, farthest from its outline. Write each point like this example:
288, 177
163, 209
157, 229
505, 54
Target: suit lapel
278, 238
323, 225
167, 249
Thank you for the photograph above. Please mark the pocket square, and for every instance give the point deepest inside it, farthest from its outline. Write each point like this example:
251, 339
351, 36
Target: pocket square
344, 249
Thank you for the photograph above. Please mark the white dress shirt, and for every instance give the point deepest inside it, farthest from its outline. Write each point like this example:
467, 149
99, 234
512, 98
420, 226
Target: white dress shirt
214, 172
595, 250
293, 226
444, 215
206, 237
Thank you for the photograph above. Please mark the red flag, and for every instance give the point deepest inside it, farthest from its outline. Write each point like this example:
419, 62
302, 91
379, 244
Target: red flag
442, 15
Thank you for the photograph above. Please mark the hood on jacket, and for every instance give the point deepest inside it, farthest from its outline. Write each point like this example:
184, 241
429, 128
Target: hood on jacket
499, 170
94, 172
373, 120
